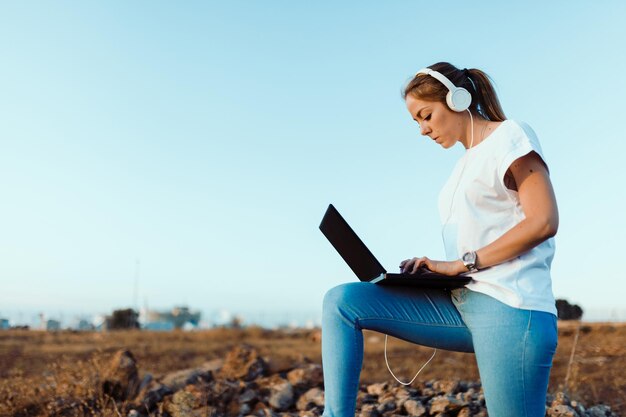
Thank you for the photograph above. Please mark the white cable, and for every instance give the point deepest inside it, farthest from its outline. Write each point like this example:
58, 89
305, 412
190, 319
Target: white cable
460, 175
472, 128
418, 372
453, 194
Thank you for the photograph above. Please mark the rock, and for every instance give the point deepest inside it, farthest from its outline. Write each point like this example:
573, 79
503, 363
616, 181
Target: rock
309, 375
369, 410
248, 396
414, 408
145, 382
311, 398
152, 395
365, 398
281, 395
207, 410
262, 410
120, 379
222, 392
600, 411
377, 389
469, 395
561, 410
182, 404
204, 373
315, 412
446, 387
465, 412
386, 406
560, 399
243, 363
444, 404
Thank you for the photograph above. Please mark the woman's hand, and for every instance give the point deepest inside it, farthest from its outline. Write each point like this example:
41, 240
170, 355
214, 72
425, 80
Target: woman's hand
451, 268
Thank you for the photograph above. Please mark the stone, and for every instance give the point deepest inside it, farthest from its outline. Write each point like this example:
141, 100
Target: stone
386, 406
145, 382
414, 408
377, 389
152, 395
561, 410
465, 412
306, 376
178, 379
120, 379
600, 411
243, 363
469, 395
281, 395
369, 410
560, 398
311, 398
446, 403
248, 396
448, 387
182, 404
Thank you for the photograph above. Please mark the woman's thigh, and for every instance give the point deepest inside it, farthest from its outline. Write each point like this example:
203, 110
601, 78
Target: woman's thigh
425, 317
514, 350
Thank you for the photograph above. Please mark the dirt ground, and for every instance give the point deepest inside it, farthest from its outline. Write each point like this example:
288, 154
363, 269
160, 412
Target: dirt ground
31, 362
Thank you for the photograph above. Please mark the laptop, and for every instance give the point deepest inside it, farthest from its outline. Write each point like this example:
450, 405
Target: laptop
367, 268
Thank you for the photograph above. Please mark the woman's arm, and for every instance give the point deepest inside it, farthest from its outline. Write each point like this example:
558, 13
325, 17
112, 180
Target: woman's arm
542, 221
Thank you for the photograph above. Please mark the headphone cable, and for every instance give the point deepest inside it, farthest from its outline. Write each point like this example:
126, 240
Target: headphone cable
418, 372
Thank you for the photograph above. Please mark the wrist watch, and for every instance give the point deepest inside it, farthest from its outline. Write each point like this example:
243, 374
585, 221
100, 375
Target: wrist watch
470, 260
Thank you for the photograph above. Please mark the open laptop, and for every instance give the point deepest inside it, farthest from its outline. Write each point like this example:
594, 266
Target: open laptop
366, 266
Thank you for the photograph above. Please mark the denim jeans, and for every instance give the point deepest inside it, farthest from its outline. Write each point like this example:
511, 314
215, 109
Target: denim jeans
513, 347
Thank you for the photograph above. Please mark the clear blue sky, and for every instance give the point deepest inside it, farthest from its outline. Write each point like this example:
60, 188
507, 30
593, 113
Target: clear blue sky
207, 138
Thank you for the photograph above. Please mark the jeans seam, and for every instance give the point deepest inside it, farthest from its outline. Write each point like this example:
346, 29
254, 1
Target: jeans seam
355, 348
530, 316
413, 322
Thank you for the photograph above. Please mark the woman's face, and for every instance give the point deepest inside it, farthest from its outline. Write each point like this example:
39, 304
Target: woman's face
436, 121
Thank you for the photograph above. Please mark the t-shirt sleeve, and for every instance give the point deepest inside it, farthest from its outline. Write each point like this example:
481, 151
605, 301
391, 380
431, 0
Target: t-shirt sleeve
521, 142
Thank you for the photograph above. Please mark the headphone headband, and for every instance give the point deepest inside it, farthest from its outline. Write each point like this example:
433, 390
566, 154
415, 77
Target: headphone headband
458, 98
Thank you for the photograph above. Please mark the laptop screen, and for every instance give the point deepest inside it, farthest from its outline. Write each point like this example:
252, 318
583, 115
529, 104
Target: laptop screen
350, 246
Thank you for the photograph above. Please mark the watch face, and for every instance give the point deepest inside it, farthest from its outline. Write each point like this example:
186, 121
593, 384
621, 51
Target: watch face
469, 257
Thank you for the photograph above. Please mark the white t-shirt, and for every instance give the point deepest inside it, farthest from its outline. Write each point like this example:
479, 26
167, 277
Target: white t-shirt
476, 208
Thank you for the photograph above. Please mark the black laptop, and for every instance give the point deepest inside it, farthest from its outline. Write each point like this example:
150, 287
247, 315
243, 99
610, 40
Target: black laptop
366, 266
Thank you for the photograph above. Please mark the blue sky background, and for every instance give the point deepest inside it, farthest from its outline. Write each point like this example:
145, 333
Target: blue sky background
205, 139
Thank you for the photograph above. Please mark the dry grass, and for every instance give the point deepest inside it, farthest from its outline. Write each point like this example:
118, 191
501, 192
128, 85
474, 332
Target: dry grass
44, 373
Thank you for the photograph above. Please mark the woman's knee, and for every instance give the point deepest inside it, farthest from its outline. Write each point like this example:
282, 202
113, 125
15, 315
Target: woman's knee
342, 295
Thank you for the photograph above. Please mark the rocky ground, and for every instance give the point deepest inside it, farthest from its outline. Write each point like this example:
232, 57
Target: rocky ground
242, 384
260, 372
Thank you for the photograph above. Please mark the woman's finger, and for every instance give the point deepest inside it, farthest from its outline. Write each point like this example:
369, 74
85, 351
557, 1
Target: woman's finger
416, 265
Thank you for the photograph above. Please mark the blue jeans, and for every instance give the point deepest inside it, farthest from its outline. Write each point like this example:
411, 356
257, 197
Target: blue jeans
513, 347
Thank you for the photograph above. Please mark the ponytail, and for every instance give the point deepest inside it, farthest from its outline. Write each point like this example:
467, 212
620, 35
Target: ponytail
484, 98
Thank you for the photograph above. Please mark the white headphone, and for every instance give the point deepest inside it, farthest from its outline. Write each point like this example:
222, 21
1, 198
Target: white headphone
458, 98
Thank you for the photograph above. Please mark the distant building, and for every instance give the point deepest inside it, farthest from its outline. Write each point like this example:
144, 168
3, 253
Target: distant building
4, 324
84, 325
53, 325
177, 318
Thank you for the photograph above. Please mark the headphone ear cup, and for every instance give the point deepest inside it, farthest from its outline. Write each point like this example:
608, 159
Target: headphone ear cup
459, 99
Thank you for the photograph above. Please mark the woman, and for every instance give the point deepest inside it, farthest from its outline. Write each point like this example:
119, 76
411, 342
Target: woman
499, 216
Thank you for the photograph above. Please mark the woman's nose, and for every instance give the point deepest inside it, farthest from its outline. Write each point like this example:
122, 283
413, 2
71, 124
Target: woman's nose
424, 129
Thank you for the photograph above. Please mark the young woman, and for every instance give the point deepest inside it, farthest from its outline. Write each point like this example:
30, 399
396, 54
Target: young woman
499, 216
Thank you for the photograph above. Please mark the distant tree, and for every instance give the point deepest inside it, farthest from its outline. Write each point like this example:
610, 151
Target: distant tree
123, 319
567, 311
